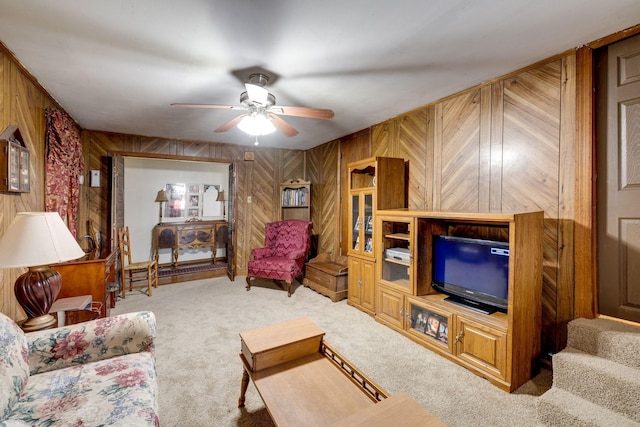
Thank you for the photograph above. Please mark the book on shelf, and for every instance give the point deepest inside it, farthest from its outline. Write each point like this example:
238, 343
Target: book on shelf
294, 197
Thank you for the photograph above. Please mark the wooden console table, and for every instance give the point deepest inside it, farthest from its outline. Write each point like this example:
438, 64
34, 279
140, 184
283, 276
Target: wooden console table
300, 377
187, 235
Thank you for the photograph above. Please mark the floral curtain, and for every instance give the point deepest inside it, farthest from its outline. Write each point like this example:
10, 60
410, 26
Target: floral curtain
64, 163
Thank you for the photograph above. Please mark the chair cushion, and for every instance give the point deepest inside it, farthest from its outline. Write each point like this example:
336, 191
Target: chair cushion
120, 391
14, 364
280, 268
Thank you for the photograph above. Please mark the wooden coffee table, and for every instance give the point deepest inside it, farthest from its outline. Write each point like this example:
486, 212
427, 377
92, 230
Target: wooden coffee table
300, 377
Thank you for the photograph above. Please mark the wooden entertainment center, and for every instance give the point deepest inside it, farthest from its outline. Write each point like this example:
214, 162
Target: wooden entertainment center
501, 347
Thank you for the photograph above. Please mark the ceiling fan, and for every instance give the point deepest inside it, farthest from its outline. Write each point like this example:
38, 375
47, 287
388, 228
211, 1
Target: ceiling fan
262, 114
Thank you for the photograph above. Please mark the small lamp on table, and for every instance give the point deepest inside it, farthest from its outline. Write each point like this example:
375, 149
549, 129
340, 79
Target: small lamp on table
223, 200
161, 198
35, 240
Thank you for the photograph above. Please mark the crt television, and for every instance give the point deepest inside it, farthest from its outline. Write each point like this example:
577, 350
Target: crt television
473, 272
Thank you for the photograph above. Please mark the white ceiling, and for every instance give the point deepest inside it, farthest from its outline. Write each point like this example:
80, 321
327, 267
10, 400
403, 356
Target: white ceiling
116, 65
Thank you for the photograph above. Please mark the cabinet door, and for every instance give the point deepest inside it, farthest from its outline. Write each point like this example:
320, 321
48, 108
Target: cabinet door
361, 286
361, 224
367, 298
14, 168
482, 346
354, 280
429, 324
390, 307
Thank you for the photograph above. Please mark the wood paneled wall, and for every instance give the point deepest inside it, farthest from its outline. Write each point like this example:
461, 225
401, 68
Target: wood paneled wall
508, 145
22, 102
323, 170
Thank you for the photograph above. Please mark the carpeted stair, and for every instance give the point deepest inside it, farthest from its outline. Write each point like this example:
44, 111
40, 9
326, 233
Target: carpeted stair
596, 378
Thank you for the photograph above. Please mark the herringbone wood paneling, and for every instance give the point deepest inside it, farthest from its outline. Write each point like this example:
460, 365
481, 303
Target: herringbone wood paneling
459, 154
322, 171
530, 168
264, 194
292, 165
196, 149
412, 146
383, 136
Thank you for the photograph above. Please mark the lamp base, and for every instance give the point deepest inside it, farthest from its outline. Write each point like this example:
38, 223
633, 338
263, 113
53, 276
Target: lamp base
36, 290
38, 323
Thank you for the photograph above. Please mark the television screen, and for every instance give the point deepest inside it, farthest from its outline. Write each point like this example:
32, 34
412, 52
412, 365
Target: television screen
474, 271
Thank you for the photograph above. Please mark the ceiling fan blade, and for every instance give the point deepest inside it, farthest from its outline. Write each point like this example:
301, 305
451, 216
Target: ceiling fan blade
312, 113
231, 123
283, 126
226, 107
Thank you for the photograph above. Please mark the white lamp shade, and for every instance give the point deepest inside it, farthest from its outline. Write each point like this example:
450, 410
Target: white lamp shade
256, 125
37, 238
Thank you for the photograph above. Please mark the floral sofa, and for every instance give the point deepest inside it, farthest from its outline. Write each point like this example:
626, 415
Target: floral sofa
98, 373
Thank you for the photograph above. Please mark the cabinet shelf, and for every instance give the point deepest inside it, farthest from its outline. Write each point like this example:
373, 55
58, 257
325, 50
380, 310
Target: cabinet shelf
397, 261
397, 236
295, 199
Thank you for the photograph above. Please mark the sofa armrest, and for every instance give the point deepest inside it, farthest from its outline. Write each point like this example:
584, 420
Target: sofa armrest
259, 253
87, 342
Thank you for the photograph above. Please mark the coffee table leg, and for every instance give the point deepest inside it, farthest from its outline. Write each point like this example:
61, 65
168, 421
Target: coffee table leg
243, 387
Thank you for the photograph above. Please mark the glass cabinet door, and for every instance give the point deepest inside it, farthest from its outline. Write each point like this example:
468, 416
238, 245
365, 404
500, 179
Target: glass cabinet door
361, 231
24, 171
355, 223
367, 222
14, 168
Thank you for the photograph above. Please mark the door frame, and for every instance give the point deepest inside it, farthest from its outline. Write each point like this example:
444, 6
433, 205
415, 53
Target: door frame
585, 239
117, 193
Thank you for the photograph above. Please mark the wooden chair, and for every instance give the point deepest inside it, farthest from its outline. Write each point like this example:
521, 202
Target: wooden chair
135, 272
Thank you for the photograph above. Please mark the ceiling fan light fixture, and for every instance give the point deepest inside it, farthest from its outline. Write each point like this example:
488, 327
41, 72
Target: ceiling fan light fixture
256, 124
257, 93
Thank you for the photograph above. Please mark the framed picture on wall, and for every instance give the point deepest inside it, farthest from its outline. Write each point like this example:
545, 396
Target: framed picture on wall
175, 207
194, 188
194, 200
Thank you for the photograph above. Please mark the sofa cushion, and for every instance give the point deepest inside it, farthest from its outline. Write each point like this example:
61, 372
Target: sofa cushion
120, 391
14, 364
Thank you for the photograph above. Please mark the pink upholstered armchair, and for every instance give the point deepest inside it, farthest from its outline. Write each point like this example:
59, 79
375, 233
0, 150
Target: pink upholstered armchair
286, 244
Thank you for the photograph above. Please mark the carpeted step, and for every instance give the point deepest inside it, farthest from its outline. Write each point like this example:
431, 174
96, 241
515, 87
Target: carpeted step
560, 408
606, 338
606, 383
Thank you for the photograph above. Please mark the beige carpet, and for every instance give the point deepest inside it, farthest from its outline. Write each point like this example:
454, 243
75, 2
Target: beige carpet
199, 369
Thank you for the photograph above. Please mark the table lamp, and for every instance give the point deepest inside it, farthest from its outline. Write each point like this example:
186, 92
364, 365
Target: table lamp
35, 240
221, 199
161, 197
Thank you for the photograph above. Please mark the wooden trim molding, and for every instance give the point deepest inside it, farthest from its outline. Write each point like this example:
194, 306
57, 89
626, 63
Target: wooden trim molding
585, 274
